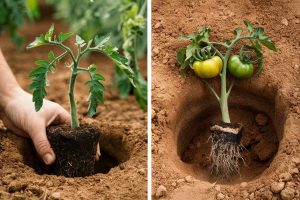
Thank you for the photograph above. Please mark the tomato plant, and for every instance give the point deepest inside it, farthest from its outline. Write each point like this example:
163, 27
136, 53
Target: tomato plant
13, 14
98, 44
240, 66
132, 25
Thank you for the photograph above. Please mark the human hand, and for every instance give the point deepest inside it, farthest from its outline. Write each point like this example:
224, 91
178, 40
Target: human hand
19, 115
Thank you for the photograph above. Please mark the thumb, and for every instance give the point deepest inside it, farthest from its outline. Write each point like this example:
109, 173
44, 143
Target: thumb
42, 146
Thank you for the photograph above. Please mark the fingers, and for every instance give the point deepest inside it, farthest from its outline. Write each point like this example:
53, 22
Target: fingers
42, 146
98, 154
63, 117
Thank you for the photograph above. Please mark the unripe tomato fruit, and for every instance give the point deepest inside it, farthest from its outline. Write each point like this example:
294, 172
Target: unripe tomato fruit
208, 68
239, 69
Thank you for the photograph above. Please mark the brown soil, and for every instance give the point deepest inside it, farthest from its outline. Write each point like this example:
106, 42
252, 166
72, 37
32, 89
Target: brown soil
267, 106
75, 150
121, 172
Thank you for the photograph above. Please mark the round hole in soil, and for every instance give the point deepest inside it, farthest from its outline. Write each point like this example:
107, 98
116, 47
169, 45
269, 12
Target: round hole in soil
113, 153
259, 137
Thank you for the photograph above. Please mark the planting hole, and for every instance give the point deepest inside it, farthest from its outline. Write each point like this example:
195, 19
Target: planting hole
259, 137
113, 153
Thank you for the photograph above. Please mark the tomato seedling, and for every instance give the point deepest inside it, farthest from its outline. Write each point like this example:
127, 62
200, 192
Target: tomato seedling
98, 44
132, 25
209, 59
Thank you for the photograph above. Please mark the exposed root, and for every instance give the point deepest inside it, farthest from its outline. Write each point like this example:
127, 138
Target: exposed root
225, 157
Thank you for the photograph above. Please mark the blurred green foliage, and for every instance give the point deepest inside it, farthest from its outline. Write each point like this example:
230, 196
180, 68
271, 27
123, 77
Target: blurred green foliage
13, 14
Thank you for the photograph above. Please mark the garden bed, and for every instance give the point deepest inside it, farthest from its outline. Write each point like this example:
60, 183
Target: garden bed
121, 172
267, 106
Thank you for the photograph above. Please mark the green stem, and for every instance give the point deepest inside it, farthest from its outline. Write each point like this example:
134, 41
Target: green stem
224, 94
73, 108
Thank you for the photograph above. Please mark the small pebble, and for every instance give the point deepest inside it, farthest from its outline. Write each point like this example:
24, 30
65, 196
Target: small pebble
287, 193
244, 184
294, 171
251, 196
15, 187
157, 25
285, 22
277, 187
55, 196
285, 177
188, 179
220, 196
296, 161
161, 191
142, 171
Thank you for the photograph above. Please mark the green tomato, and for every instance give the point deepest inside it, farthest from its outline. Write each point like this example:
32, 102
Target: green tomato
208, 68
239, 69
133, 11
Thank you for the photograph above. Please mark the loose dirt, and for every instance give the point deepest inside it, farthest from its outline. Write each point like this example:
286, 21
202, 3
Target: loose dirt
122, 169
267, 106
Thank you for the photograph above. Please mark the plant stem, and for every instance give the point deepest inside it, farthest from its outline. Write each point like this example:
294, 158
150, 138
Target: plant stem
73, 108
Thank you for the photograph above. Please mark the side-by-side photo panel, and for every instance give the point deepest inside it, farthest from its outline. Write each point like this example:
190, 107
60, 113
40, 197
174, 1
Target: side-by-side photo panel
73, 99
225, 100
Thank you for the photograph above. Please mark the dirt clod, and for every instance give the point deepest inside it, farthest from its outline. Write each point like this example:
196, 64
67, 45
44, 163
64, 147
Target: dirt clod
285, 177
287, 193
296, 161
220, 196
276, 187
161, 191
244, 184
188, 179
55, 196
16, 186
261, 119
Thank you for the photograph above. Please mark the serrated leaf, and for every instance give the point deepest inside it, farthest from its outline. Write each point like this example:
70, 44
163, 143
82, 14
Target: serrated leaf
101, 40
64, 36
96, 93
140, 91
51, 55
39, 82
92, 68
269, 44
122, 83
249, 26
49, 34
98, 77
190, 50
181, 55
80, 41
238, 32
39, 41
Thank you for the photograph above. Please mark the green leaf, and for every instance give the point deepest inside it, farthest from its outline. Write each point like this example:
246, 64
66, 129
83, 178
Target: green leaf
92, 68
238, 32
181, 55
49, 34
64, 36
269, 44
39, 82
39, 41
80, 41
101, 40
51, 56
140, 91
96, 93
249, 26
190, 50
122, 83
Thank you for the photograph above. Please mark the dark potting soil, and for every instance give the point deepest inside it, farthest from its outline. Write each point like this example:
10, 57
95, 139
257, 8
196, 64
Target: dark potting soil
75, 150
227, 132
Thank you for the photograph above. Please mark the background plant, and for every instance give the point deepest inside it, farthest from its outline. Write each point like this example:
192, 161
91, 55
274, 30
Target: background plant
132, 25
98, 44
14, 13
125, 20
201, 46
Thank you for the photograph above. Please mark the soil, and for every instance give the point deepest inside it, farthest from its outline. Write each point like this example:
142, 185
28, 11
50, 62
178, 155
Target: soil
121, 172
75, 150
267, 106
